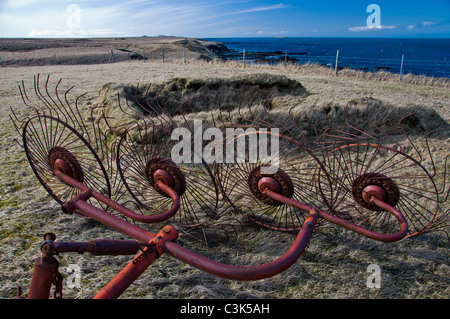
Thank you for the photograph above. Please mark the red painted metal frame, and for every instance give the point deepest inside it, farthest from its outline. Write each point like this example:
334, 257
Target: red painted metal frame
138, 265
185, 255
349, 225
114, 205
163, 242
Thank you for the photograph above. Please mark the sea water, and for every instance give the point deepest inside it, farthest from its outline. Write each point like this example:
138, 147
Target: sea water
430, 57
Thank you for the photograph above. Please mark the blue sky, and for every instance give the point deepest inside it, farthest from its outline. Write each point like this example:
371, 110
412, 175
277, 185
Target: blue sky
226, 18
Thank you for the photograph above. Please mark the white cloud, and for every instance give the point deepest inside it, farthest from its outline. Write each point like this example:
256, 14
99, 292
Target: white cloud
17, 4
366, 28
44, 20
266, 8
422, 24
73, 33
270, 33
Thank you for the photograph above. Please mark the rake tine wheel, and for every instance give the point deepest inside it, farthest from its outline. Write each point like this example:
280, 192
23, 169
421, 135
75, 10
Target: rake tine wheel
144, 155
62, 149
406, 184
360, 164
255, 145
51, 144
293, 174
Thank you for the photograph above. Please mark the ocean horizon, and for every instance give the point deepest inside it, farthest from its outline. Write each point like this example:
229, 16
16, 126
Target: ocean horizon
421, 56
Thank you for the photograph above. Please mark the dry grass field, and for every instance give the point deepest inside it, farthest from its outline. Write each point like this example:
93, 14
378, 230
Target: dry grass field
334, 265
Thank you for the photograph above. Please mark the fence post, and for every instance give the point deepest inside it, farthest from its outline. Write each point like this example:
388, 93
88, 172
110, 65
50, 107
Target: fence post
163, 55
184, 55
111, 56
401, 67
243, 58
337, 63
285, 59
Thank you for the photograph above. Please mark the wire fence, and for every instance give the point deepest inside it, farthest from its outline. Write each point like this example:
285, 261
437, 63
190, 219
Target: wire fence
402, 65
419, 67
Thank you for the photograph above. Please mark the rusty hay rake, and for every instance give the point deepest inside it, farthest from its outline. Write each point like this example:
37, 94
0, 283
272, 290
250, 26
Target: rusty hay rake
118, 168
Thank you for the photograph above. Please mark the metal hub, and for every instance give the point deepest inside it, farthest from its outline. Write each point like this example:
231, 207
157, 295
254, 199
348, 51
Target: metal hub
279, 182
375, 184
166, 171
62, 160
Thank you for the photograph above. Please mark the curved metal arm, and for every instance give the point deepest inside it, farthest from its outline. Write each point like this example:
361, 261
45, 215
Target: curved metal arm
247, 273
125, 211
244, 273
349, 225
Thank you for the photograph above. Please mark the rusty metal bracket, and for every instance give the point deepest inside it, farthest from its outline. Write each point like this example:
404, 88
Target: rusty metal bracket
139, 264
155, 245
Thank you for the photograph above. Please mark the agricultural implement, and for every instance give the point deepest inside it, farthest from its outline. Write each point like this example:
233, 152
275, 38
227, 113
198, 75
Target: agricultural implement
123, 176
